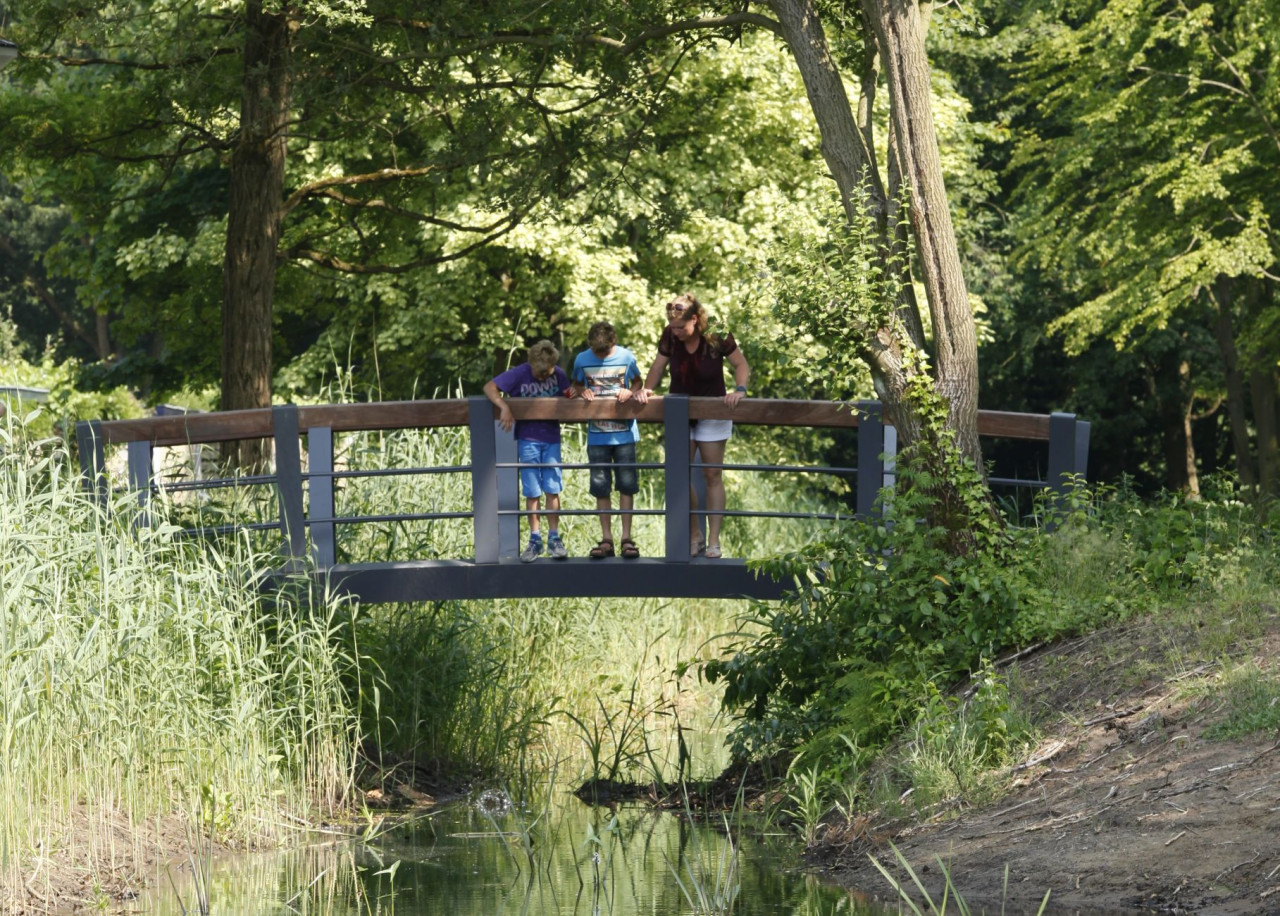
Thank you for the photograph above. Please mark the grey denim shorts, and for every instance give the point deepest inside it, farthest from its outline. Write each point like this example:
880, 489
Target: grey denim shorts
602, 457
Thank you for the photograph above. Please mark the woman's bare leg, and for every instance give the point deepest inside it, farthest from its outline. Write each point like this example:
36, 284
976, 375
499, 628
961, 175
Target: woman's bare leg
696, 541
713, 453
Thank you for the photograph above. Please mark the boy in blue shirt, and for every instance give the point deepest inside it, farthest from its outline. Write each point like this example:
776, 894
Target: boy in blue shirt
610, 371
537, 441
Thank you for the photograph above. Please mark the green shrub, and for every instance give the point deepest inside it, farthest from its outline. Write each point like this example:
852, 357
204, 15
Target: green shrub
887, 617
884, 608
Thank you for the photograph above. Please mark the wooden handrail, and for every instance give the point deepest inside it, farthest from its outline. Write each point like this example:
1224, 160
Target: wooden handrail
253, 424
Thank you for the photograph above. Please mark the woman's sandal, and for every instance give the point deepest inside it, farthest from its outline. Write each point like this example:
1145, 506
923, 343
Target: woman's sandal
601, 550
697, 549
713, 552
629, 549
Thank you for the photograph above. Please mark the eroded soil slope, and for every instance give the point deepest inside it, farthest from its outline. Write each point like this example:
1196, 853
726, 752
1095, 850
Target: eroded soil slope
1127, 806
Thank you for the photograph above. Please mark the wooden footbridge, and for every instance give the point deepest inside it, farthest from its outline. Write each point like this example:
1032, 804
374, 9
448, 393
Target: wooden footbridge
305, 477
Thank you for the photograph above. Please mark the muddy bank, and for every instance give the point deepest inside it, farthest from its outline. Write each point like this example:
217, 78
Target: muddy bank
1127, 805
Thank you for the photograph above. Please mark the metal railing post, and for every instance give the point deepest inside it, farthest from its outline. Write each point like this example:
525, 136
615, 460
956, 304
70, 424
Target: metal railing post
93, 459
284, 422
320, 491
1082, 448
506, 452
484, 480
675, 427
1064, 451
140, 476
871, 448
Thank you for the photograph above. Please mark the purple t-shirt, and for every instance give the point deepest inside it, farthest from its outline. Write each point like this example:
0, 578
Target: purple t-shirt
518, 382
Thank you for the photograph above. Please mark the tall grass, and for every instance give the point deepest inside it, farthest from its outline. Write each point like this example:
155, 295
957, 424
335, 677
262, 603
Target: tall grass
141, 676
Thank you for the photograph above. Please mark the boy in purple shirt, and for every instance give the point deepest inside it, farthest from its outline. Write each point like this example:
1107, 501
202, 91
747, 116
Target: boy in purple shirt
537, 441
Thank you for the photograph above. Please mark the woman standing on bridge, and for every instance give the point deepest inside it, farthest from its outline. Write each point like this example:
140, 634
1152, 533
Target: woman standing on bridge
697, 361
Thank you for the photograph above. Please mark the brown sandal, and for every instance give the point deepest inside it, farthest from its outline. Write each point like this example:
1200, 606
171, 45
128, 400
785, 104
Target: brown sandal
601, 550
629, 549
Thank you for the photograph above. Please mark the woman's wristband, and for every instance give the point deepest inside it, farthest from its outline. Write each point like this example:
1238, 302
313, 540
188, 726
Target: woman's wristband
742, 388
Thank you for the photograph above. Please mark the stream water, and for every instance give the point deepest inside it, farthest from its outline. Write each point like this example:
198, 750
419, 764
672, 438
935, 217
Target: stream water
490, 858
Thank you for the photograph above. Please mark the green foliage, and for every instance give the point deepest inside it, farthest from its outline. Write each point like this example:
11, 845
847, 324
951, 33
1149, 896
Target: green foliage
614, 734
881, 610
67, 403
958, 744
10, 349
448, 693
886, 620
1169, 546
1151, 184
822, 279
910, 893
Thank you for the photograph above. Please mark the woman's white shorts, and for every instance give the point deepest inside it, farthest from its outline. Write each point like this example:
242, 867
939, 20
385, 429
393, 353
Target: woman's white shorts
711, 431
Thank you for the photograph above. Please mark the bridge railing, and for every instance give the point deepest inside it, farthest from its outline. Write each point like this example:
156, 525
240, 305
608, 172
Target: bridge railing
308, 520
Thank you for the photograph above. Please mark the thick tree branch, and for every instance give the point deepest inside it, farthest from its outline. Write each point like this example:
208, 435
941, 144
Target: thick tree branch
550, 39
656, 33
333, 262
67, 61
316, 188
379, 204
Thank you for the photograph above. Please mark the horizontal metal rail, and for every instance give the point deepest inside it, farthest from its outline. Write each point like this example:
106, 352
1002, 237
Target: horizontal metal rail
389, 472
393, 517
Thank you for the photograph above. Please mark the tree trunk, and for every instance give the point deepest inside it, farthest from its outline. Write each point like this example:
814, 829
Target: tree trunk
102, 327
849, 152
1262, 385
847, 149
1222, 295
253, 220
900, 28
1172, 391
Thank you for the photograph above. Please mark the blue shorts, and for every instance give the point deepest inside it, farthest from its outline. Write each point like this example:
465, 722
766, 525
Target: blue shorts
601, 457
537, 481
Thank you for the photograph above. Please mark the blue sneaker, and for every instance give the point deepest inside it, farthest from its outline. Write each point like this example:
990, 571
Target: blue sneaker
556, 549
532, 552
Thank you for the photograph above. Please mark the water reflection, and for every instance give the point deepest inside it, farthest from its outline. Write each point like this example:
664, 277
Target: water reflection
491, 860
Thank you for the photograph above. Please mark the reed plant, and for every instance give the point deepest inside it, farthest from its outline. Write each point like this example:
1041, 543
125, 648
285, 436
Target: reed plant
142, 677
916, 898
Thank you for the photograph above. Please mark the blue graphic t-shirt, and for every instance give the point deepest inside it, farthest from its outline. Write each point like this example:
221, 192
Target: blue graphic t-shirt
606, 377
519, 382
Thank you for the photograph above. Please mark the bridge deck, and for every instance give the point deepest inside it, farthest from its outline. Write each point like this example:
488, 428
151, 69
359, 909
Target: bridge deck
449, 580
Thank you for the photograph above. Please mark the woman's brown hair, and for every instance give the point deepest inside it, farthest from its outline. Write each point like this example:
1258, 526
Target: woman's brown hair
690, 307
